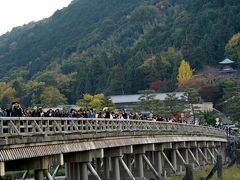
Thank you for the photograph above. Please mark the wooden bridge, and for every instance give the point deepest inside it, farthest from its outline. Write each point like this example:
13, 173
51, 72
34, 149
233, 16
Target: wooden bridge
105, 149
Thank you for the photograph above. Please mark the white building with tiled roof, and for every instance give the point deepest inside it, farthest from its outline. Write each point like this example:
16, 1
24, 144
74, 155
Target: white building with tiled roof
124, 101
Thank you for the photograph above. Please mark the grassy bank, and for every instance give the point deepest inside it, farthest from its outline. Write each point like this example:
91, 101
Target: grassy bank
232, 173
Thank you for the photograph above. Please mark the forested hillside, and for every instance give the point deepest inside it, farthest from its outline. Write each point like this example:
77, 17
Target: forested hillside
114, 47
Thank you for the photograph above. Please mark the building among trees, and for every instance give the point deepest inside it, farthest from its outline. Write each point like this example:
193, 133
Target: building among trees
227, 66
126, 101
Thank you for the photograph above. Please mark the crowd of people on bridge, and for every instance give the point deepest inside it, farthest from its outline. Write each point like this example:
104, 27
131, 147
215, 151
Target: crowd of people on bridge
17, 111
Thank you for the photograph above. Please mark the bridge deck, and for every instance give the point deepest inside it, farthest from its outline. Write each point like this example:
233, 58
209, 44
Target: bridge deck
27, 137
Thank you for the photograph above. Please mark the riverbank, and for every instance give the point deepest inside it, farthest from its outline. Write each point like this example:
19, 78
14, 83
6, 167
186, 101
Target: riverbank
232, 173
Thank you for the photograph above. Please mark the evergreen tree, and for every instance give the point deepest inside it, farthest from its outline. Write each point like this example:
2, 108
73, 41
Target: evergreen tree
51, 96
147, 101
231, 99
174, 105
193, 98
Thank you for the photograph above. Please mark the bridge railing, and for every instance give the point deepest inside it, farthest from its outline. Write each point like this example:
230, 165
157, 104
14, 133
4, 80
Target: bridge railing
31, 126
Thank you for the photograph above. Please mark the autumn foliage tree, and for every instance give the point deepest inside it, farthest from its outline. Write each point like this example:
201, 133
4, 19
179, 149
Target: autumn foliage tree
232, 49
184, 72
97, 101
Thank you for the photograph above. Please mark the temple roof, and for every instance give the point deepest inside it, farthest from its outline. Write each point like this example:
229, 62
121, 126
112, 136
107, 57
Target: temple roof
226, 61
134, 98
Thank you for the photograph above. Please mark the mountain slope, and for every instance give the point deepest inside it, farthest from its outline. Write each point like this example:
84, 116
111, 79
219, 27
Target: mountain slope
114, 46
74, 28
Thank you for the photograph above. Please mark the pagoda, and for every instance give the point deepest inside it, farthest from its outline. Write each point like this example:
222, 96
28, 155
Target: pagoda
227, 66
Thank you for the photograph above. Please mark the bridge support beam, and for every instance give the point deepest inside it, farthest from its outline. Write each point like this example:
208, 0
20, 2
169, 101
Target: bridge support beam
25, 175
213, 152
186, 155
139, 165
195, 160
205, 160
2, 169
222, 150
195, 152
180, 156
210, 149
158, 176
174, 159
76, 171
98, 159
128, 159
201, 156
159, 163
139, 152
77, 163
113, 155
126, 169
167, 160
67, 170
55, 171
206, 153
98, 164
107, 167
192, 156
47, 174
39, 174
83, 171
180, 146
116, 168
212, 156
93, 171
73, 171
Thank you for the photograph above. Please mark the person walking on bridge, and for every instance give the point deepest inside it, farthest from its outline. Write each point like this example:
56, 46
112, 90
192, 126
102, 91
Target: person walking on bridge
16, 110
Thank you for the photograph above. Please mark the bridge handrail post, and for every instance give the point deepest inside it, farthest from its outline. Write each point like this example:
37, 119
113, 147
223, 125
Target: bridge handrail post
1, 128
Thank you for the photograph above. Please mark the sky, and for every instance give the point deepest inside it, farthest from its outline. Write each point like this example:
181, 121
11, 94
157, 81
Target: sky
19, 12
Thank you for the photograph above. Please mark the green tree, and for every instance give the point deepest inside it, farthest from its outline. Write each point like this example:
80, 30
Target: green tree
174, 105
229, 89
144, 14
231, 100
232, 108
51, 96
162, 66
193, 97
98, 102
32, 91
147, 101
7, 94
209, 118
3, 87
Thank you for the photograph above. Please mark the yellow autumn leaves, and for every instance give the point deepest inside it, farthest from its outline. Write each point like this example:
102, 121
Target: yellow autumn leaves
184, 72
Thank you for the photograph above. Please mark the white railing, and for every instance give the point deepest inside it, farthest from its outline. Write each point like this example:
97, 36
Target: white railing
32, 126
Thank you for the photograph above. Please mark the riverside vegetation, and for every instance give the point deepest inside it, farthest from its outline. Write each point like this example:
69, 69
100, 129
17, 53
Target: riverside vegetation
231, 173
